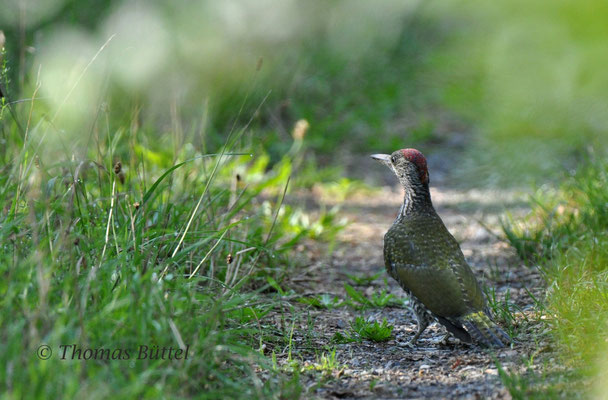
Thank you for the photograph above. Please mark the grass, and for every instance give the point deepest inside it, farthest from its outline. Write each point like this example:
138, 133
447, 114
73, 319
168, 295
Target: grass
132, 246
505, 311
566, 235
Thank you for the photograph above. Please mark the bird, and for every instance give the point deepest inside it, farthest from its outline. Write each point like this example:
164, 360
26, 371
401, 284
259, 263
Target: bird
427, 262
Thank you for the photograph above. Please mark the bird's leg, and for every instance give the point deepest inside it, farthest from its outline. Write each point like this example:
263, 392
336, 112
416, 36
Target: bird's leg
423, 321
421, 327
444, 339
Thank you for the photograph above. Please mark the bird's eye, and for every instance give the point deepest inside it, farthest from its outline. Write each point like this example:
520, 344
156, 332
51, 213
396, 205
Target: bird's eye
393, 159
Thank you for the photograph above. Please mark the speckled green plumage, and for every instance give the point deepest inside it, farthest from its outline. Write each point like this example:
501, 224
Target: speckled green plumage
424, 257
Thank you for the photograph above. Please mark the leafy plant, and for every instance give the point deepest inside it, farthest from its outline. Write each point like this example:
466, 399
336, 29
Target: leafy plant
361, 329
384, 299
326, 363
374, 331
363, 280
325, 301
358, 300
345, 337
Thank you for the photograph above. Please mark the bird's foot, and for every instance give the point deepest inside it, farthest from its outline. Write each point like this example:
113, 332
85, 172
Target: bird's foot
412, 343
444, 340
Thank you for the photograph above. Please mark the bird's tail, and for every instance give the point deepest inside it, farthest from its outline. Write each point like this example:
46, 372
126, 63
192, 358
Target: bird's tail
484, 331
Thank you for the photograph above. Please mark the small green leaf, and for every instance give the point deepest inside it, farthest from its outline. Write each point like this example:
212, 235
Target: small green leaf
275, 285
356, 296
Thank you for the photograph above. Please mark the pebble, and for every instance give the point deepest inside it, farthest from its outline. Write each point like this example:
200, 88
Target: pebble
508, 353
392, 364
481, 235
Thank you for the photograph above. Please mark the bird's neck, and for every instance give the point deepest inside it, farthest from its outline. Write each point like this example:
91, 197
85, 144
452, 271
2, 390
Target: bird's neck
417, 200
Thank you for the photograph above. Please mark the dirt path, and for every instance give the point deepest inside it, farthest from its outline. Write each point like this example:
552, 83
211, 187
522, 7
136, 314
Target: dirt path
433, 369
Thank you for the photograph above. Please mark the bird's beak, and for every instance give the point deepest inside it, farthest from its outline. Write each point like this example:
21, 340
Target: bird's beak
383, 158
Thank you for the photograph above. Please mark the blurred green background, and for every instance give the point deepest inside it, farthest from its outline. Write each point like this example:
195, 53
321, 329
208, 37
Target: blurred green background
524, 81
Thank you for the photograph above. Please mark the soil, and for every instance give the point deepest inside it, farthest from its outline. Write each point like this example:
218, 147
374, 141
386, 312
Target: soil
433, 369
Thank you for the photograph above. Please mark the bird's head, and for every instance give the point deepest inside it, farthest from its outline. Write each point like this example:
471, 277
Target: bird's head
409, 165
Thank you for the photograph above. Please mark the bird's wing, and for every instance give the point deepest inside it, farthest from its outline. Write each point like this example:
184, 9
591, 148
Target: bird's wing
426, 260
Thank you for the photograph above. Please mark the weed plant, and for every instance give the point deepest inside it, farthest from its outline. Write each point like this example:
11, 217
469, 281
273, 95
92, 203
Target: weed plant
566, 235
